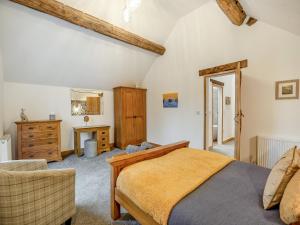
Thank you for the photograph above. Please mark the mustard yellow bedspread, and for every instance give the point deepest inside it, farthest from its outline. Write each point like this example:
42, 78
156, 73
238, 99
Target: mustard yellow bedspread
157, 185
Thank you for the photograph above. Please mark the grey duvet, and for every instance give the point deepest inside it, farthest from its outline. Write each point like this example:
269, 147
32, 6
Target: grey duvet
231, 197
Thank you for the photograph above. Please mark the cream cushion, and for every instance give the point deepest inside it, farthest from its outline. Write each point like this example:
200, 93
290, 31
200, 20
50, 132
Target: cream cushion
290, 203
279, 177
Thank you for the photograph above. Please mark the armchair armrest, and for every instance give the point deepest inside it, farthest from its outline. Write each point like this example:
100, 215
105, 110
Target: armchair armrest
42, 195
24, 165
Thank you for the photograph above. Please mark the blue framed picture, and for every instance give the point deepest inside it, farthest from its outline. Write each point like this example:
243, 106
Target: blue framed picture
170, 100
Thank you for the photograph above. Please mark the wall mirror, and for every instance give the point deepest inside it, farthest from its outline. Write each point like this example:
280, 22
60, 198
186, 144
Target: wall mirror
86, 102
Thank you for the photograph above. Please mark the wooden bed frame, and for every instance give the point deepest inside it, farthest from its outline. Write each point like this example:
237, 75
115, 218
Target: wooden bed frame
121, 161
118, 163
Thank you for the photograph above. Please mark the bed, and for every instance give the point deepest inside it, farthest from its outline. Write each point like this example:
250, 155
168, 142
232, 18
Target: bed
232, 196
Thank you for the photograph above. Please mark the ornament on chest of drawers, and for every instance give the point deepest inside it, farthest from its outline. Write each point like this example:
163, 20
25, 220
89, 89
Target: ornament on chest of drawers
24, 118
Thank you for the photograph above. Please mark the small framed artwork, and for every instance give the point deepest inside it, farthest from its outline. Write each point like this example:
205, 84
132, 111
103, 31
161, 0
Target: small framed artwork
288, 89
227, 100
170, 100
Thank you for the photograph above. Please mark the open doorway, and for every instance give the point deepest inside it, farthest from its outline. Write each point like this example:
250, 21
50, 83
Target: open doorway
221, 114
230, 114
217, 113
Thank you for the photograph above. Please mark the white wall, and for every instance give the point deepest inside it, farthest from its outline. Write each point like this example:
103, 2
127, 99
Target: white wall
206, 38
1, 96
39, 101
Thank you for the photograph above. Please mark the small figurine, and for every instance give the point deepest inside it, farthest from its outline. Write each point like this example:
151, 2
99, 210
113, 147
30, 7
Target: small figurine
24, 118
86, 119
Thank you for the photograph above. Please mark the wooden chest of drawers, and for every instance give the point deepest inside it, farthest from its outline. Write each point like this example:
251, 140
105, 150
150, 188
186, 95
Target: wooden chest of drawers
39, 140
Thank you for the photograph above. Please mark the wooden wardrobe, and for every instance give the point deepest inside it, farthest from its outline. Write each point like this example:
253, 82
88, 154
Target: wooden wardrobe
130, 116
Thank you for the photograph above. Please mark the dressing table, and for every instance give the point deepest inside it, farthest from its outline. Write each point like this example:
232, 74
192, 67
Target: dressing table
101, 133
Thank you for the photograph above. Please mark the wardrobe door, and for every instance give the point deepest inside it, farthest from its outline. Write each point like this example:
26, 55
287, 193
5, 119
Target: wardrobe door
128, 117
140, 116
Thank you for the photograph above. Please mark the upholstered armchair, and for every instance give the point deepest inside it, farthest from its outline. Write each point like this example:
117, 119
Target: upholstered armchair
31, 194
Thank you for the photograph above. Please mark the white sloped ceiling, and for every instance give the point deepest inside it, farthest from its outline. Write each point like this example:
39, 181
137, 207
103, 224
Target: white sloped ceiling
38, 48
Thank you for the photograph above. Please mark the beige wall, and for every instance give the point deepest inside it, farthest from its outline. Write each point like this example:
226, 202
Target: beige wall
39, 101
206, 38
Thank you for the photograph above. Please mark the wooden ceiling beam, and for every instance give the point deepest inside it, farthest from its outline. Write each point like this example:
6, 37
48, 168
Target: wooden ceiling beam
223, 68
67, 13
233, 10
251, 21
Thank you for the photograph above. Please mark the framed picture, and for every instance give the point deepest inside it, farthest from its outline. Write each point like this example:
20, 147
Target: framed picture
170, 100
288, 89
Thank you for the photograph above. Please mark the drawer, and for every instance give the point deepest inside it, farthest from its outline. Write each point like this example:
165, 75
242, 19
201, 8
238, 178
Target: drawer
49, 127
104, 133
104, 139
39, 127
28, 136
46, 154
42, 148
39, 142
104, 145
30, 128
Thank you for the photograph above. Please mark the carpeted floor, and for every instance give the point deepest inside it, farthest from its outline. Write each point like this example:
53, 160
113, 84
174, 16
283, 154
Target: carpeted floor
225, 149
93, 190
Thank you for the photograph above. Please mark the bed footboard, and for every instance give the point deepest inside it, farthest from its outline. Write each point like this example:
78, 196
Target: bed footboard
121, 161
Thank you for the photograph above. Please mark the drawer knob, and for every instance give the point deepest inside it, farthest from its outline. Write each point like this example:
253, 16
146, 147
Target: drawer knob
30, 156
50, 143
31, 145
31, 128
103, 145
49, 153
103, 132
31, 136
103, 139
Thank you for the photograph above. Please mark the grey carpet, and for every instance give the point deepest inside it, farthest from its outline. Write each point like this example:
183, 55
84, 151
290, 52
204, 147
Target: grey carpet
93, 190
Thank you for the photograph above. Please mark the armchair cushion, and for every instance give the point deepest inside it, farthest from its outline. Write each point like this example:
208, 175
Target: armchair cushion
24, 165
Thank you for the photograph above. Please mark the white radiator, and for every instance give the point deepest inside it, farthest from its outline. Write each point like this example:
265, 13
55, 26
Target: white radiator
5, 148
270, 150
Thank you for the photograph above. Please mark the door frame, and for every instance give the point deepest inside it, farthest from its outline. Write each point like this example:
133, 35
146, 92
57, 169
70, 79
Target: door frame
223, 70
221, 87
